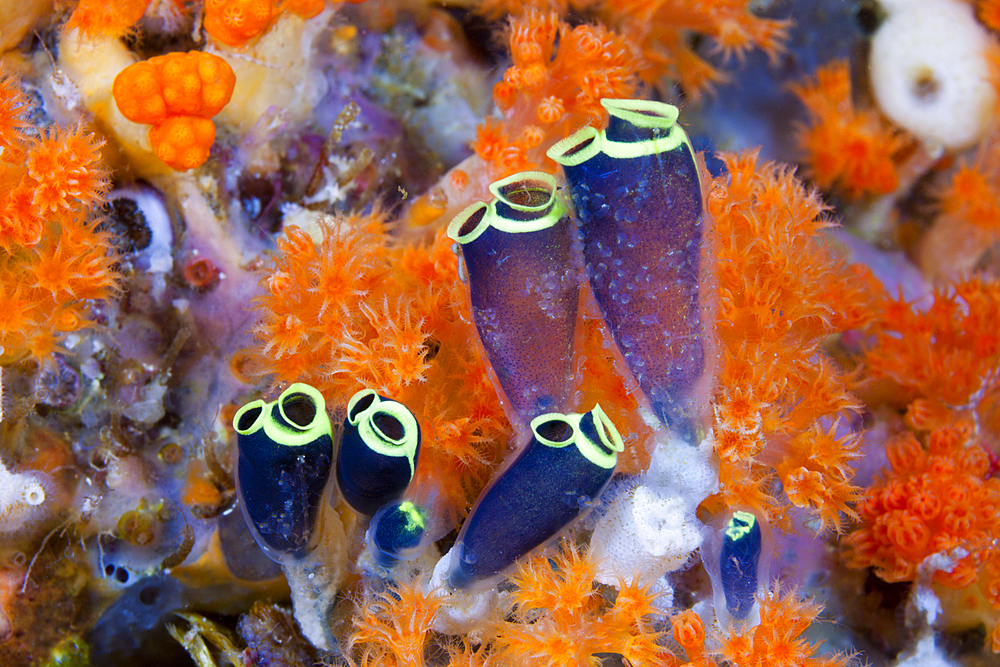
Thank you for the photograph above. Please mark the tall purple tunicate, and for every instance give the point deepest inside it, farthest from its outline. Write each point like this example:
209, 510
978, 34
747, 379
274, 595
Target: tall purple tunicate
637, 192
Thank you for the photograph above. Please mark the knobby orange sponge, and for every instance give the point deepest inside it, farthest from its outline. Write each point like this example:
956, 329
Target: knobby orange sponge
177, 93
236, 22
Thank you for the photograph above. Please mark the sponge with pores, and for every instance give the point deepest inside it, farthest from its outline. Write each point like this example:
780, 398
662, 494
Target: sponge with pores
930, 71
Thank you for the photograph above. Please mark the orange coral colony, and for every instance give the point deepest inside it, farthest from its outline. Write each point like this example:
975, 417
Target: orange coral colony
177, 94
53, 256
938, 499
238, 22
848, 150
946, 354
558, 77
99, 17
782, 292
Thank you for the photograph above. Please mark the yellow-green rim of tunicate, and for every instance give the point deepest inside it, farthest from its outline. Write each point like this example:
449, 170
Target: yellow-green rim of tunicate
534, 180
459, 221
609, 436
416, 517
290, 433
736, 532
642, 113
258, 421
593, 452
376, 439
631, 110
559, 152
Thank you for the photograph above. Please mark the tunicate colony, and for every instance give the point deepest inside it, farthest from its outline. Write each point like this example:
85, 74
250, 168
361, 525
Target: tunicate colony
637, 194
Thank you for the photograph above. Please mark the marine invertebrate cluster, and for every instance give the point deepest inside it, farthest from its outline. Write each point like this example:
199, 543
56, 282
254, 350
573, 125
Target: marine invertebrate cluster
369, 308
177, 94
847, 150
357, 311
559, 618
969, 221
391, 626
946, 354
781, 399
776, 641
934, 515
93, 17
54, 256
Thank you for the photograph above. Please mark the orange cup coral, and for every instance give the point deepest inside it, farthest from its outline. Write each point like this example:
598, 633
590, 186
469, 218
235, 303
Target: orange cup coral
177, 93
237, 22
935, 500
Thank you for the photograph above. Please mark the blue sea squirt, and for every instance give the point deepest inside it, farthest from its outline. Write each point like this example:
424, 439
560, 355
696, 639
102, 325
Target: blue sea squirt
637, 192
517, 254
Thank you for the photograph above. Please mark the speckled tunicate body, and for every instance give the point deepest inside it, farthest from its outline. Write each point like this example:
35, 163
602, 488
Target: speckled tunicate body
524, 289
637, 193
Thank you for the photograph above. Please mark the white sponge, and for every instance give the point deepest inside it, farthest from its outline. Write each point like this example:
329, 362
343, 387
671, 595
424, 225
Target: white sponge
930, 73
651, 527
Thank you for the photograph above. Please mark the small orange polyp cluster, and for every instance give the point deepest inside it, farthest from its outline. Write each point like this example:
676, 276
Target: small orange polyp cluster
854, 151
947, 353
775, 641
558, 77
177, 93
237, 22
663, 30
938, 500
53, 254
